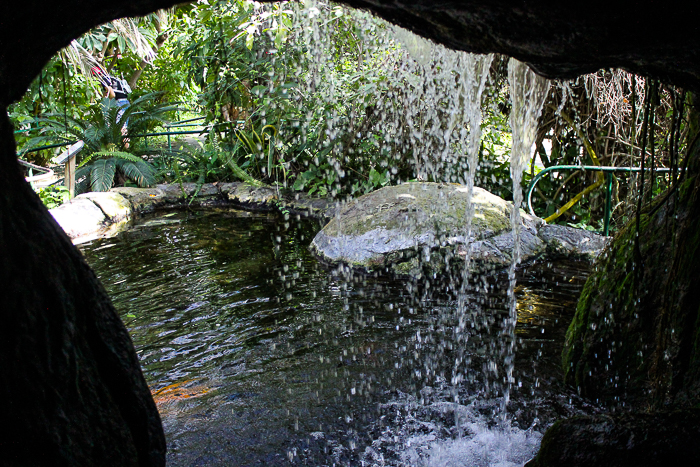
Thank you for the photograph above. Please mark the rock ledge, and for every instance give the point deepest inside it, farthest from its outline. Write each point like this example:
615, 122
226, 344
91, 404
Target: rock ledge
92, 215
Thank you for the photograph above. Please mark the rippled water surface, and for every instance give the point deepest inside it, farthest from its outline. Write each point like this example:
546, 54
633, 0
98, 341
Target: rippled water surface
258, 355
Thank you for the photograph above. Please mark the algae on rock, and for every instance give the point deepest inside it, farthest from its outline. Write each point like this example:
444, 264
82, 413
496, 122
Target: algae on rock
636, 333
418, 229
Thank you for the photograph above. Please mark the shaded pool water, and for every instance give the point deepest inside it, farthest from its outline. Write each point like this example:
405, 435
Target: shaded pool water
258, 355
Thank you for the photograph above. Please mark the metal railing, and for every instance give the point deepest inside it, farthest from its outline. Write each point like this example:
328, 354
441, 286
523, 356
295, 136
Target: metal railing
607, 170
179, 124
31, 178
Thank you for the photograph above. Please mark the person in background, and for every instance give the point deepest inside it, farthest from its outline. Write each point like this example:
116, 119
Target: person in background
114, 88
117, 89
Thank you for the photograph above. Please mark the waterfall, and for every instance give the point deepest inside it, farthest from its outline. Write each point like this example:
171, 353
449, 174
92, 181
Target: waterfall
434, 119
528, 92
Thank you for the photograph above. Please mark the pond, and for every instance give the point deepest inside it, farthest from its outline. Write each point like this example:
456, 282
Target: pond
256, 354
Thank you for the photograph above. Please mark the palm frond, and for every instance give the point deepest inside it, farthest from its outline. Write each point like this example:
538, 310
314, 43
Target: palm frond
94, 137
79, 58
110, 111
54, 122
101, 132
39, 141
118, 154
141, 172
102, 174
129, 30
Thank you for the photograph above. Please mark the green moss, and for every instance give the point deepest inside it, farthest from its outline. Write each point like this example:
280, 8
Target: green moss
421, 206
492, 219
686, 186
637, 324
575, 334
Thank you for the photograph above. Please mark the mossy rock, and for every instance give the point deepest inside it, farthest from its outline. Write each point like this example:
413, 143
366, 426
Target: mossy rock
404, 226
114, 206
635, 336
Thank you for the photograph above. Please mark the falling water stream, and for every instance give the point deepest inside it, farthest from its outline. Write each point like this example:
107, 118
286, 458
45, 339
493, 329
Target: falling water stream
528, 92
258, 355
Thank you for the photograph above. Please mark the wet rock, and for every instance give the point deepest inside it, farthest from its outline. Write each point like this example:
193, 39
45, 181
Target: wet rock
245, 195
79, 217
567, 241
401, 221
178, 193
558, 40
317, 208
93, 215
114, 206
644, 439
417, 226
635, 335
499, 250
142, 199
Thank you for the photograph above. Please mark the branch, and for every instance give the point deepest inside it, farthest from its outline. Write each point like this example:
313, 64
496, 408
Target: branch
586, 143
137, 74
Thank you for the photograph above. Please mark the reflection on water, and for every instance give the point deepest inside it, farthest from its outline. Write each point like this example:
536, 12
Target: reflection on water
257, 355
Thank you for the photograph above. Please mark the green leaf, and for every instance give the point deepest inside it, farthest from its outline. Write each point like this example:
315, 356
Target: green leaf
141, 172
102, 174
258, 90
374, 177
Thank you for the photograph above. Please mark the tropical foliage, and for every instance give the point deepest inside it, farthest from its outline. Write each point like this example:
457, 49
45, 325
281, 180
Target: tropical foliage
111, 152
53, 196
313, 96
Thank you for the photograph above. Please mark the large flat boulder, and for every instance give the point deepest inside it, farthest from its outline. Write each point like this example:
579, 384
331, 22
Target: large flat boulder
416, 225
113, 205
79, 217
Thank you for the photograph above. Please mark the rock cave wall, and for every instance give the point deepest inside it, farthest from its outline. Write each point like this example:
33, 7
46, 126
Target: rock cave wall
75, 383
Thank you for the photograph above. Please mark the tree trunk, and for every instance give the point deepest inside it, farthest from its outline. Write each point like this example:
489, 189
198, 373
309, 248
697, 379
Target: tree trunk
137, 74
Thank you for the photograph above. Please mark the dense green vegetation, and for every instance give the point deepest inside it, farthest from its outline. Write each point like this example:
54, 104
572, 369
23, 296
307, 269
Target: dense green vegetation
312, 96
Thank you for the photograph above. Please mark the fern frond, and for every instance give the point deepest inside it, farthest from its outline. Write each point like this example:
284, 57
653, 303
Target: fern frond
102, 174
118, 154
141, 172
94, 136
86, 160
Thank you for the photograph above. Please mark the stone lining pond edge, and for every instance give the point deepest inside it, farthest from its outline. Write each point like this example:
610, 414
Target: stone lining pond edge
102, 214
